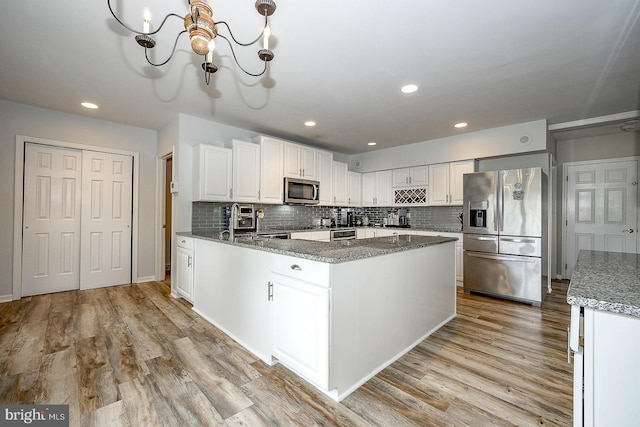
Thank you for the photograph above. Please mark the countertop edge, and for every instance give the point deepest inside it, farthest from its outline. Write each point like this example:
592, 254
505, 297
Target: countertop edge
374, 252
606, 281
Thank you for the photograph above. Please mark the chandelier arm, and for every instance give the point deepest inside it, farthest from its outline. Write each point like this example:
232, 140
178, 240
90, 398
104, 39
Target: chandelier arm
170, 56
236, 59
136, 31
236, 41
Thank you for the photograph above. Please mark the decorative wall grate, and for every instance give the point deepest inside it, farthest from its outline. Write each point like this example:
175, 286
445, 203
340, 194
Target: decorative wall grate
410, 196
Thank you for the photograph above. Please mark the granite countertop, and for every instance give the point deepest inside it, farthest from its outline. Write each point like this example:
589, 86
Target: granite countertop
331, 252
608, 281
358, 227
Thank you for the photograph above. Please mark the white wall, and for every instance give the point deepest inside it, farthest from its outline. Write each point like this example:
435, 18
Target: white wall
194, 131
500, 141
20, 119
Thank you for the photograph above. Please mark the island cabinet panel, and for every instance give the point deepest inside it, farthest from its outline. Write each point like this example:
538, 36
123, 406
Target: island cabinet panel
611, 372
379, 312
302, 328
232, 291
336, 324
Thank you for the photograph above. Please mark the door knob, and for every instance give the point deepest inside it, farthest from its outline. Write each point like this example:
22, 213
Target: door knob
628, 230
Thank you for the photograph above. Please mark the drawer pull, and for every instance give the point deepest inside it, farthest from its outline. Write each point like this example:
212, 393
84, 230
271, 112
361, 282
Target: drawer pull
296, 267
184, 241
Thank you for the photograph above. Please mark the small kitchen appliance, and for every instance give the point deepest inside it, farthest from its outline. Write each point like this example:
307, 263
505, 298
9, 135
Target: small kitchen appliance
245, 219
301, 191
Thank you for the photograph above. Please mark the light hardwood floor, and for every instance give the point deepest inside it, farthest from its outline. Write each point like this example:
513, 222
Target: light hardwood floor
132, 355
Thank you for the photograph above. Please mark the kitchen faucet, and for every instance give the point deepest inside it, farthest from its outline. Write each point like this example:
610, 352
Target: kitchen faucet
232, 219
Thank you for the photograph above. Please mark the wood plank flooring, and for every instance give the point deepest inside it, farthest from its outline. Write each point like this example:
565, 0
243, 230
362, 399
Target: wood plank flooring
133, 356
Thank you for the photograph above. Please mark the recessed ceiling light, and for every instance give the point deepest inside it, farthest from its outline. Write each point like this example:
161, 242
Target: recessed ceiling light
310, 123
372, 143
90, 105
411, 88
461, 125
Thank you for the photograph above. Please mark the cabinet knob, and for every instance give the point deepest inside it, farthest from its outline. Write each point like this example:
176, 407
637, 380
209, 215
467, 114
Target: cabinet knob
296, 267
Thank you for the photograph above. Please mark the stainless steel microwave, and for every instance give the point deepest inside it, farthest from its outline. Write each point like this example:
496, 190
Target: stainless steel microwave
301, 191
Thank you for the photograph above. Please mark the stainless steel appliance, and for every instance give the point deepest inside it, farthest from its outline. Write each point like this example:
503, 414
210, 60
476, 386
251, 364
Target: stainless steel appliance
277, 235
347, 217
343, 234
504, 234
301, 191
245, 218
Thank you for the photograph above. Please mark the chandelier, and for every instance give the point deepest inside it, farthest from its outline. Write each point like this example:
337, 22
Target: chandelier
203, 30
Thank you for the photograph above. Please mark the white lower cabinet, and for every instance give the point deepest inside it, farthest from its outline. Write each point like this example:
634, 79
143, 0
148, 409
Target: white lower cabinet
607, 368
459, 261
184, 267
232, 292
302, 328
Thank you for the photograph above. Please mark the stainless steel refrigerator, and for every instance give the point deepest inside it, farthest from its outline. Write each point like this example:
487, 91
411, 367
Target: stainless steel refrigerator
504, 234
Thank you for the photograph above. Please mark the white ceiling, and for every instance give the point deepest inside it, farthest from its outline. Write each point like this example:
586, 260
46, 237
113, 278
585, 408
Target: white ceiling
340, 63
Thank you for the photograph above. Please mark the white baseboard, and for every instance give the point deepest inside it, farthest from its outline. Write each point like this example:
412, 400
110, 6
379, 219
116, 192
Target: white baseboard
6, 298
146, 279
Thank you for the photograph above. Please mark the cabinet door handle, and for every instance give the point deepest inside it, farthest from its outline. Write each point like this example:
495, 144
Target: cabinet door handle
296, 267
189, 261
269, 291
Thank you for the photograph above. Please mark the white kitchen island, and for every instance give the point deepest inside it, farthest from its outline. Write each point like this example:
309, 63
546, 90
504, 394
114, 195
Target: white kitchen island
334, 313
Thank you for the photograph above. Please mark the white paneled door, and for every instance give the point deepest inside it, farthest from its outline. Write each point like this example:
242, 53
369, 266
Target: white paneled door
106, 220
76, 219
51, 219
601, 209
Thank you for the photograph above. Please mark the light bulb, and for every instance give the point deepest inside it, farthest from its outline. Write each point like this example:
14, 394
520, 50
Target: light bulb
212, 46
147, 19
265, 41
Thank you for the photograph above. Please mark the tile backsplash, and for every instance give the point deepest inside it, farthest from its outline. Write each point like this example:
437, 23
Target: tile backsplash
210, 216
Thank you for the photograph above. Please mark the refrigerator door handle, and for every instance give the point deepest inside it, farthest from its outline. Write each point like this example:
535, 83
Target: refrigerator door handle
482, 238
516, 240
500, 207
503, 258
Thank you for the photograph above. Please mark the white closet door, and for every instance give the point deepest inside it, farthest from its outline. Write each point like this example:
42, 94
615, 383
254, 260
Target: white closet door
51, 220
106, 220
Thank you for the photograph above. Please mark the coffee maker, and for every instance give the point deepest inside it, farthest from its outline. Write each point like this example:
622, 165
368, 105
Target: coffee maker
347, 217
403, 218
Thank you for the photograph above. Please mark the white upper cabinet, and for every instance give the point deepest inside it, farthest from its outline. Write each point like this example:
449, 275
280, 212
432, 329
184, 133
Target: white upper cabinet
354, 188
376, 188
271, 170
300, 161
339, 183
456, 172
445, 182
212, 174
246, 172
325, 177
439, 188
411, 177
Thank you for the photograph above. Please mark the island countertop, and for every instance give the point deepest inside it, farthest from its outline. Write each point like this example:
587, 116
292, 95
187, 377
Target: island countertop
330, 252
608, 281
